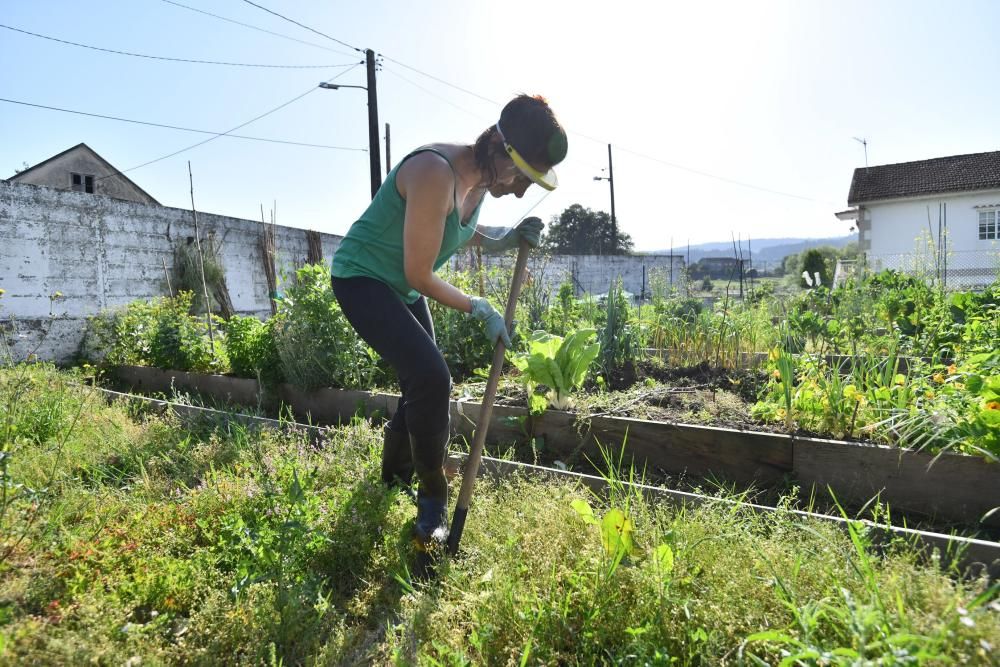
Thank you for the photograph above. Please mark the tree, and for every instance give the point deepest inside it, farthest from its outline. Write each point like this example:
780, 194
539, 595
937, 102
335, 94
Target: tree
814, 263
794, 265
581, 231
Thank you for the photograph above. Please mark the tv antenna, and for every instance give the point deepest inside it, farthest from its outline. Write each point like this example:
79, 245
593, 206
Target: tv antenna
864, 142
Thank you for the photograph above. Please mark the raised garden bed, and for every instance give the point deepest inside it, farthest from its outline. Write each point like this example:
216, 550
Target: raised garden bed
974, 557
947, 487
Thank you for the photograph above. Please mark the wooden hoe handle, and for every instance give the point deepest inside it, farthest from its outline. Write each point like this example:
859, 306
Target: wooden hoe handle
486, 412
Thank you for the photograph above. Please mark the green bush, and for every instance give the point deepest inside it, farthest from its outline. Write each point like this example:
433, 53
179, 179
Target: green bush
318, 347
813, 262
179, 341
251, 349
157, 333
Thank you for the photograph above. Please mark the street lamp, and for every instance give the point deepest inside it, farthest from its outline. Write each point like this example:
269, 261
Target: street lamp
610, 178
337, 86
374, 156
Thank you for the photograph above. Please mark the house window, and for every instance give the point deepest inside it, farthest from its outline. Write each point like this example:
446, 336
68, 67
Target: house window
82, 183
988, 225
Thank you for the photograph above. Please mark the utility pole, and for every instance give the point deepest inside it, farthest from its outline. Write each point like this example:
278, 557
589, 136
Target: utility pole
611, 182
388, 160
610, 178
373, 138
374, 155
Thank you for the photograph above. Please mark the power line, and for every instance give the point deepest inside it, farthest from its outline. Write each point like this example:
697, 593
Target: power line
495, 102
302, 25
600, 141
434, 95
487, 119
431, 76
253, 27
180, 60
723, 178
222, 134
175, 127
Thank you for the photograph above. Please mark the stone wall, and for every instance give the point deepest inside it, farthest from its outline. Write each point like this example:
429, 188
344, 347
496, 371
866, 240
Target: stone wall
100, 252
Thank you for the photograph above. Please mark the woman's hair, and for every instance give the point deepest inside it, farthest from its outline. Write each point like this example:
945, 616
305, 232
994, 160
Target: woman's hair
531, 128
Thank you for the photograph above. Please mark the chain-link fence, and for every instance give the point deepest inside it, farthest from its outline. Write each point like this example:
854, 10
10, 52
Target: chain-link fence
956, 270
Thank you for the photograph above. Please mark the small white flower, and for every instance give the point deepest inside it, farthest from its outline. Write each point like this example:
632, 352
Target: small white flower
806, 277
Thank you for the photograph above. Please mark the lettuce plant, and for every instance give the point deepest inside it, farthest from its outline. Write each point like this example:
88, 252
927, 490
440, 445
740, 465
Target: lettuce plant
558, 363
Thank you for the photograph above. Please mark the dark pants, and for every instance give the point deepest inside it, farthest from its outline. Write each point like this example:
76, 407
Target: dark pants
403, 335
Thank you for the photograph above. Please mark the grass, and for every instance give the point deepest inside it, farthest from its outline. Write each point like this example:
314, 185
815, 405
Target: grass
171, 543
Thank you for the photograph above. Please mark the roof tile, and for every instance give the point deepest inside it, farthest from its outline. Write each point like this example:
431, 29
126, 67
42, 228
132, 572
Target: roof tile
958, 173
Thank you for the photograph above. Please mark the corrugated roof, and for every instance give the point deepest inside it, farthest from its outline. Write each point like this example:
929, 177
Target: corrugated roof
958, 173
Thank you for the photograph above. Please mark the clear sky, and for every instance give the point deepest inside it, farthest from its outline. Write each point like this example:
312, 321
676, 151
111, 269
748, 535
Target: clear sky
725, 117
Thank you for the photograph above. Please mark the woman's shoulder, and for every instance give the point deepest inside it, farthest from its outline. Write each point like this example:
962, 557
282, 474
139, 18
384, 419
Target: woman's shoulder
427, 165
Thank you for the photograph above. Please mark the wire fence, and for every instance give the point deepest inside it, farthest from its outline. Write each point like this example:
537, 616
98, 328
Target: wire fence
956, 270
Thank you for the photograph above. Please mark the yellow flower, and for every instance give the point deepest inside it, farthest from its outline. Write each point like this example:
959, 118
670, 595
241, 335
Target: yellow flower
929, 394
993, 405
952, 369
939, 378
776, 373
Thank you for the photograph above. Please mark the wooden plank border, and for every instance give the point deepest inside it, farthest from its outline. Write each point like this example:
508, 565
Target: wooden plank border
948, 487
972, 557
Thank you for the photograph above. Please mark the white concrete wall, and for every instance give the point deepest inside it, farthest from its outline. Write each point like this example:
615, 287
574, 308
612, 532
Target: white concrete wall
591, 274
901, 238
101, 252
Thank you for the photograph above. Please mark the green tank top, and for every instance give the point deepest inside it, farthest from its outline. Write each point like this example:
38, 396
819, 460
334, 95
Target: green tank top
373, 246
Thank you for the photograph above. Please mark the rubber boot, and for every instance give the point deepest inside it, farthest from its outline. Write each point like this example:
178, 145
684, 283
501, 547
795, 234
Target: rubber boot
431, 528
397, 462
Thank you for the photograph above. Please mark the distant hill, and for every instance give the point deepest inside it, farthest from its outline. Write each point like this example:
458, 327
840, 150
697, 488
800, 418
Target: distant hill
763, 250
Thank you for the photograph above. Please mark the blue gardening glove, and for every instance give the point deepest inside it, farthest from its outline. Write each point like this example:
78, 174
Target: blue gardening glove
498, 239
484, 311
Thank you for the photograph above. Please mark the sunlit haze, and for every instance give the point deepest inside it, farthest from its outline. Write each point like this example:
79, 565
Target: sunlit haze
725, 118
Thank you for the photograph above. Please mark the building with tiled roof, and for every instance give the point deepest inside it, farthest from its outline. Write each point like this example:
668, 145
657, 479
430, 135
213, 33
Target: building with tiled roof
938, 217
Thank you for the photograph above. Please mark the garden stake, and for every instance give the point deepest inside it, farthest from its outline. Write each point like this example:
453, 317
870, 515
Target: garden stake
472, 464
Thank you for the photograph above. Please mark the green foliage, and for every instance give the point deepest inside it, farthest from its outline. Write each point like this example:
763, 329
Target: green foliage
157, 333
251, 349
619, 338
558, 363
318, 347
566, 314
179, 341
459, 337
188, 270
580, 231
814, 263
687, 334
211, 544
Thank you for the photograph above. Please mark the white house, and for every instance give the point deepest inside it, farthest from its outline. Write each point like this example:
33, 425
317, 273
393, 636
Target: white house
939, 217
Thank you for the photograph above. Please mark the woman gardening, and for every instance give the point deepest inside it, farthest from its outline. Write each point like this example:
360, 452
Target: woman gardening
383, 274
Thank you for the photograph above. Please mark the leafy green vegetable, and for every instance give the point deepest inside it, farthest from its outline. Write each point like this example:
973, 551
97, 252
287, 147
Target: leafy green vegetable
558, 363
